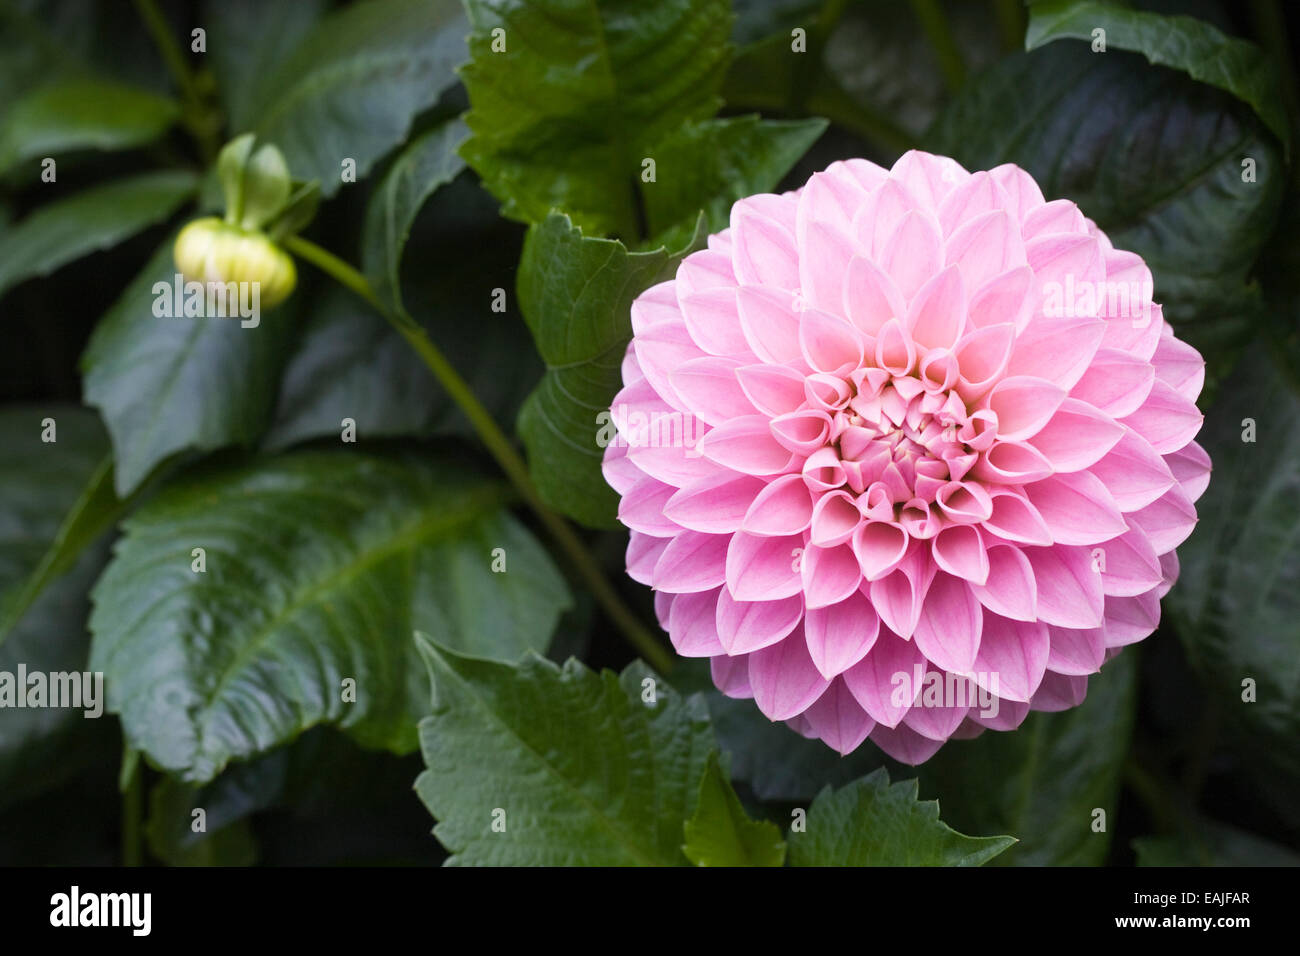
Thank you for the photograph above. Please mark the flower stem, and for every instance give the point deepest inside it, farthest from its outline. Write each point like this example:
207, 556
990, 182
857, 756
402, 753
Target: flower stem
498, 445
132, 812
935, 25
197, 119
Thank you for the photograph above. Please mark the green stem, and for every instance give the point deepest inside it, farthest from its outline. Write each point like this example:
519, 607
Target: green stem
197, 119
132, 816
1011, 23
935, 25
498, 445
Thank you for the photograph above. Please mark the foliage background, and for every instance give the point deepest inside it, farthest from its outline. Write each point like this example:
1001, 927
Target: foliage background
325, 557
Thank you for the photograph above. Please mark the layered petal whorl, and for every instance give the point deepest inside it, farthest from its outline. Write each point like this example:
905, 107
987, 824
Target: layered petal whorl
906, 453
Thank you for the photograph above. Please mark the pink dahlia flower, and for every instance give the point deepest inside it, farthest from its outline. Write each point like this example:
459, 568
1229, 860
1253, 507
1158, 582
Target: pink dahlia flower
906, 453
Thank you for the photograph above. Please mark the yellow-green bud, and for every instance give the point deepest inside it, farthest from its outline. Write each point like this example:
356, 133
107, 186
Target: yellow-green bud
210, 250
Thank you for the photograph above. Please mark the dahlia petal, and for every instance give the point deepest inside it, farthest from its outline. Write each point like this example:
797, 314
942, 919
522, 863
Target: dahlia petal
783, 678
959, 550
838, 720
657, 307
731, 676
1138, 335
1012, 658
1116, 383
1059, 692
864, 172
1077, 508
1190, 466
986, 247
1069, 590
746, 626
1167, 521
829, 343
659, 351
1167, 420
1010, 588
802, 432
1004, 299
879, 547
705, 269
763, 569
709, 388
746, 445
642, 508
1012, 463
763, 251
1024, 404
895, 351
1077, 436
1076, 651
913, 252
904, 744
1130, 566
882, 682
869, 296
1131, 619
964, 502
1059, 350
715, 505
1015, 519
712, 318
928, 177
672, 453
835, 517
977, 195
664, 607
982, 356
1179, 366
1072, 264
839, 635
1057, 216
783, 507
772, 389
828, 198
830, 575
1009, 715
619, 470
691, 623
824, 254
1133, 473
900, 594
938, 719
877, 218
936, 316
643, 554
948, 628
1023, 194
692, 562
769, 323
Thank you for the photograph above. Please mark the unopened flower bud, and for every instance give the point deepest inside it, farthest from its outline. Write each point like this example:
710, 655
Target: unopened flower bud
210, 250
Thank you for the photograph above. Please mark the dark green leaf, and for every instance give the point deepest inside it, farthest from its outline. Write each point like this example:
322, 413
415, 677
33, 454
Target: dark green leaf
712, 164
75, 114
222, 834
722, 834
96, 218
1238, 597
576, 766
352, 87
1159, 168
39, 483
872, 822
575, 292
581, 94
1183, 43
166, 385
427, 163
247, 40
1207, 843
318, 566
1042, 782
